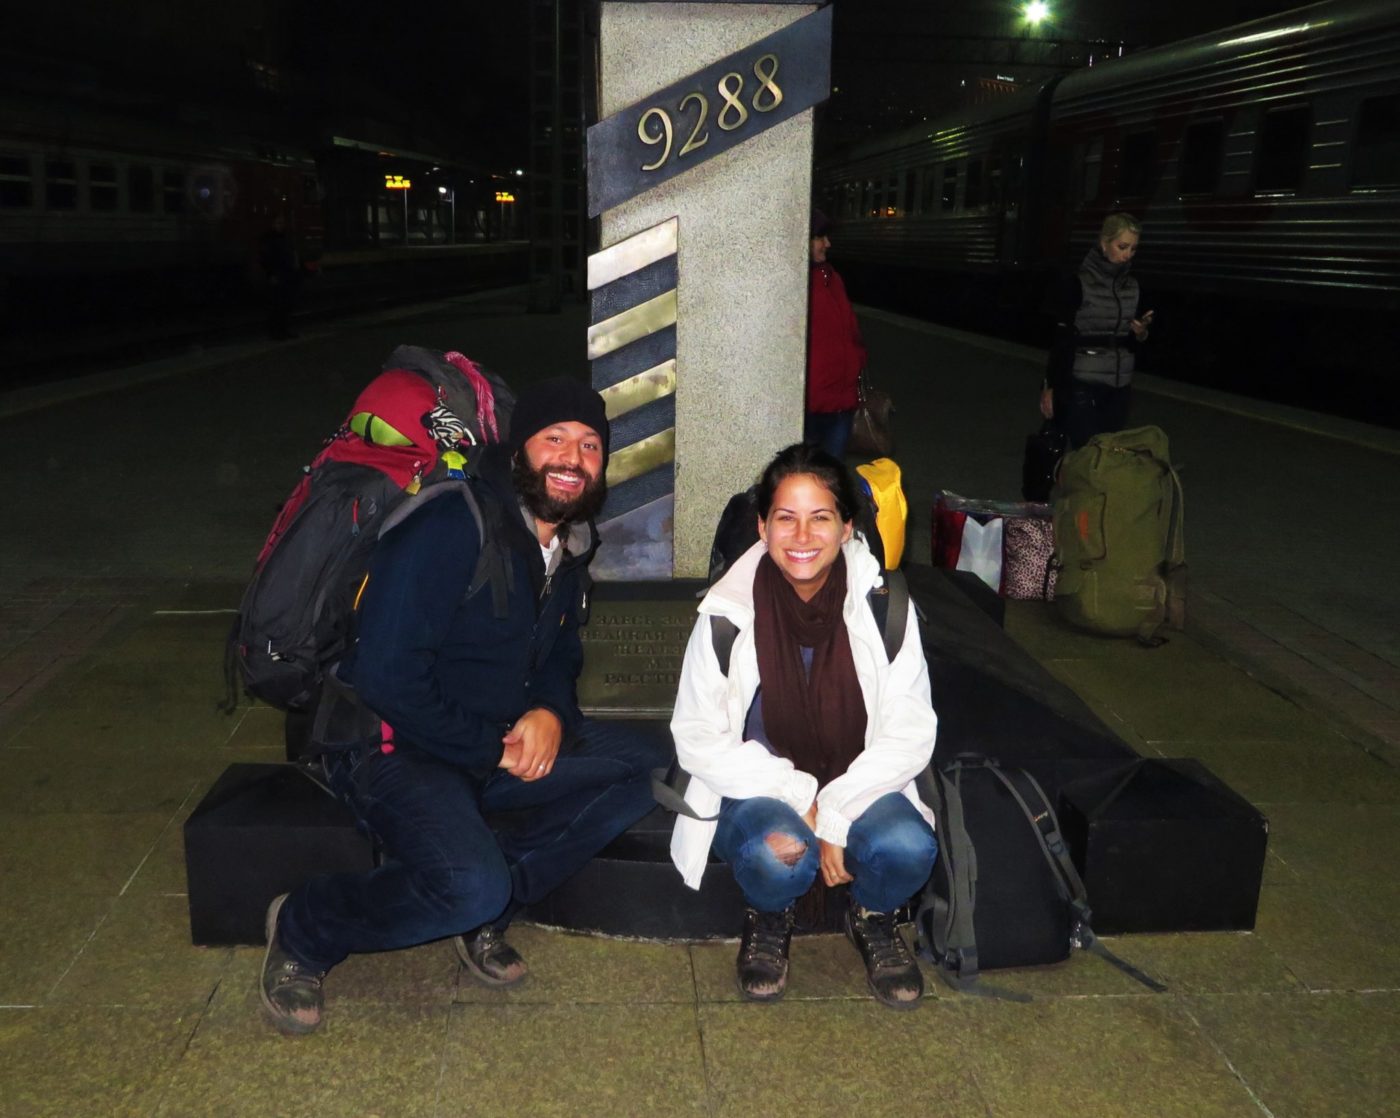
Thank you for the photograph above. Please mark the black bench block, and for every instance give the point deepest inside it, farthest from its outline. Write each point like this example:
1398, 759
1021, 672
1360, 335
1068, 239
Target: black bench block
260, 831
1165, 846
633, 889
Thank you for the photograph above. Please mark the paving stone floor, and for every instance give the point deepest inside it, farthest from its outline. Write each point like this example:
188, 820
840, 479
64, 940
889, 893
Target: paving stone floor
110, 668
105, 1008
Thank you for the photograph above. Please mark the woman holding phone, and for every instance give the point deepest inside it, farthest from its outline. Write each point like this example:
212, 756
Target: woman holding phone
1098, 329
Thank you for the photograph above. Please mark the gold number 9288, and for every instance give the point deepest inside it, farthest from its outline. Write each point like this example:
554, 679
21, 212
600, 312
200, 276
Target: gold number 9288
733, 113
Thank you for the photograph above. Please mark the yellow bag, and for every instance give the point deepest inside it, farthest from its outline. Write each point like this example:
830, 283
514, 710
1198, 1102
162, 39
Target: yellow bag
881, 478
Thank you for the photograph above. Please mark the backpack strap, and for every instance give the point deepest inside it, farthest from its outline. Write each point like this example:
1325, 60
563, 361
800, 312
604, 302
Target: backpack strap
1176, 559
1031, 799
889, 603
723, 633
493, 566
892, 600
946, 934
668, 788
492, 563
1173, 570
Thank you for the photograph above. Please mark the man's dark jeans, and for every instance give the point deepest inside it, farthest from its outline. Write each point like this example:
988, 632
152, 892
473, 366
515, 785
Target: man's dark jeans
447, 871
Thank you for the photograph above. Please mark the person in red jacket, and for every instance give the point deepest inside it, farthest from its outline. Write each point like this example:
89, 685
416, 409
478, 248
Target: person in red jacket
835, 352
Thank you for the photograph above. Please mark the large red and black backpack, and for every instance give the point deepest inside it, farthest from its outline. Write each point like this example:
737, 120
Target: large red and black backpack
420, 423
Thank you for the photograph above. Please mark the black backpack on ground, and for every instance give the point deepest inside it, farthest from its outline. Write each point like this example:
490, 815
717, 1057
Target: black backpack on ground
1004, 892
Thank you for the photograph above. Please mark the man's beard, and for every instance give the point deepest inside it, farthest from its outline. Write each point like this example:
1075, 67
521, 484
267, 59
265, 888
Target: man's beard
532, 487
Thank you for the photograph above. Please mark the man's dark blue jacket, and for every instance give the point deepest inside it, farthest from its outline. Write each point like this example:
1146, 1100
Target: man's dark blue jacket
449, 676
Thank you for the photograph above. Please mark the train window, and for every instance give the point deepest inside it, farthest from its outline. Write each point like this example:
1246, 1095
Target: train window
1092, 170
1202, 151
1376, 156
172, 189
140, 189
927, 201
994, 180
1283, 149
204, 190
16, 182
102, 187
950, 185
60, 184
891, 196
972, 191
1135, 170
911, 191
1013, 181
310, 191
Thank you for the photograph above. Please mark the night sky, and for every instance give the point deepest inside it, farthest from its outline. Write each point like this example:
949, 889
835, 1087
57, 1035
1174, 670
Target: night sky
454, 75
458, 69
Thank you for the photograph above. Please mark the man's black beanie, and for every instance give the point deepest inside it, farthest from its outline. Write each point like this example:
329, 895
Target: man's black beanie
557, 400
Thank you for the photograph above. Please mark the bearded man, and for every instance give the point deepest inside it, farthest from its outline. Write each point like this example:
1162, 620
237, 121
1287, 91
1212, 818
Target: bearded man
485, 721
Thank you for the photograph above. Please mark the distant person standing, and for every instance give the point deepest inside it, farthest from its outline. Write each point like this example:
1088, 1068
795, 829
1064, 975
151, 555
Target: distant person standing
278, 256
1098, 328
835, 352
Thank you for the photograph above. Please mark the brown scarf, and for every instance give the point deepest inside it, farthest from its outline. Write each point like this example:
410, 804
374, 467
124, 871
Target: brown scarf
816, 721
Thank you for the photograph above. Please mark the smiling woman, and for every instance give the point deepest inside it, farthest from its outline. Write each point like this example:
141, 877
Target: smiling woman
803, 531
803, 749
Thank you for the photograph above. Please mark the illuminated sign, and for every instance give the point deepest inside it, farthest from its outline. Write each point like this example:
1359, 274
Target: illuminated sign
396, 182
504, 196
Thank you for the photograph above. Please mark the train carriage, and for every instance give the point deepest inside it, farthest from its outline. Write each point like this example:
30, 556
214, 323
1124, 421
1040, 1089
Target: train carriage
1252, 154
97, 208
1263, 160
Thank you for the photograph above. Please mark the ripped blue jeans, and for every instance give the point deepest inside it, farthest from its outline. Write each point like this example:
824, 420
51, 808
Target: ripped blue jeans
890, 852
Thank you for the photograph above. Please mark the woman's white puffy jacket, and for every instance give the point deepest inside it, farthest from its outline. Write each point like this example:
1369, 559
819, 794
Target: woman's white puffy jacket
711, 709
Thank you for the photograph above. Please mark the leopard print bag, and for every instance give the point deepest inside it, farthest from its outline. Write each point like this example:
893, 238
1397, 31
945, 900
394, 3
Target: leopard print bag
1028, 569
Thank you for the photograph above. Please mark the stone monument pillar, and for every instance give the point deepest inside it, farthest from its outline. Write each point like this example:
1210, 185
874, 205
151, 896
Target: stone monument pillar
700, 169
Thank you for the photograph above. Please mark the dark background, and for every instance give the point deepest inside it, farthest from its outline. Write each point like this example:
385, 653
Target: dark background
452, 77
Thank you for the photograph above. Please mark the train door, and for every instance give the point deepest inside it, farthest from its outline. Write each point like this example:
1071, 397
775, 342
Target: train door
1003, 184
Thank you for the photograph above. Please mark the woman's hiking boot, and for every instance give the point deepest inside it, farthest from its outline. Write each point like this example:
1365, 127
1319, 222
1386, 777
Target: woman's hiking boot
489, 958
890, 969
763, 954
290, 991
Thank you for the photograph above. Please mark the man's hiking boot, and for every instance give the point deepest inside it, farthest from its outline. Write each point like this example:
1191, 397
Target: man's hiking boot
763, 954
489, 958
291, 991
890, 970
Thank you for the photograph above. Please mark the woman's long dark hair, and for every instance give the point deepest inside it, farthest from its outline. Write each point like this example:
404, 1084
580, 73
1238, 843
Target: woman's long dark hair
804, 458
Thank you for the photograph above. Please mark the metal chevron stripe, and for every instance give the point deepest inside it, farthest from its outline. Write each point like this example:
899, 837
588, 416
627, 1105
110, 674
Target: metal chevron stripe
632, 347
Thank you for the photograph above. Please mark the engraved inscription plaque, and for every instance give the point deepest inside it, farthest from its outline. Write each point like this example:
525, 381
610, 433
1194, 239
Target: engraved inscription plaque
633, 645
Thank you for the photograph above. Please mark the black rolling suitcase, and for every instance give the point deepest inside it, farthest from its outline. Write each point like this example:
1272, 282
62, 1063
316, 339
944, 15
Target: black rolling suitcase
1044, 450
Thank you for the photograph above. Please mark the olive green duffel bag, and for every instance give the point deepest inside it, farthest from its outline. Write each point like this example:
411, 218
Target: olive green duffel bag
1118, 536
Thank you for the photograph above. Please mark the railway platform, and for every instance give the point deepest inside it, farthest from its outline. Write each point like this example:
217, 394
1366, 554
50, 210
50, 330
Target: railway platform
137, 500
44, 341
